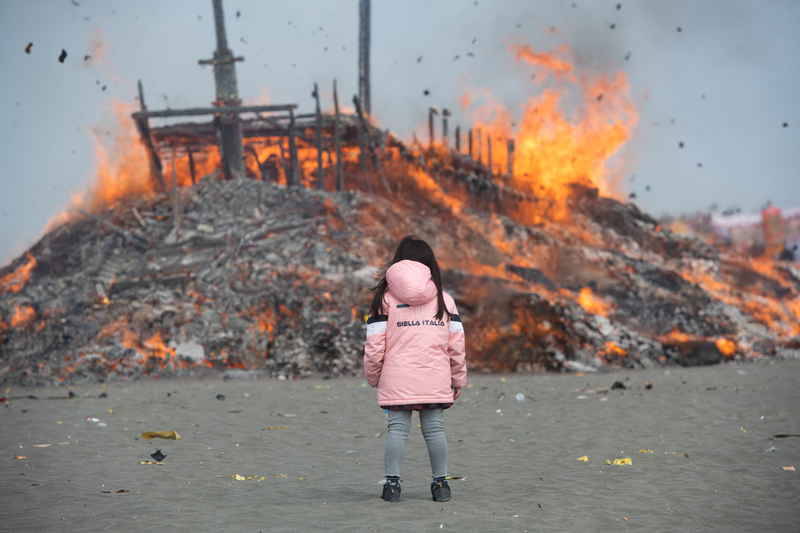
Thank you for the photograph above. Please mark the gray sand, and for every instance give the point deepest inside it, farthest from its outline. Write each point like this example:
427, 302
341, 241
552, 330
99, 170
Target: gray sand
521, 464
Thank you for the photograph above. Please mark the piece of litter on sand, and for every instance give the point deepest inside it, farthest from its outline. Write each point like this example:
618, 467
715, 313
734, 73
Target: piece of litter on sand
581, 397
584, 458
791, 468
150, 463
158, 456
623, 461
784, 435
276, 427
20, 457
285, 415
41, 445
147, 435
772, 449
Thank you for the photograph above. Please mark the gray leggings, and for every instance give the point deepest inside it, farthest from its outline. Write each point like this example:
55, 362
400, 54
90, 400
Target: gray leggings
432, 426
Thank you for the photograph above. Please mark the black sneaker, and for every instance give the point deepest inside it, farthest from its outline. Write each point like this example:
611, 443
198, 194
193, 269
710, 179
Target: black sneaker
441, 491
391, 491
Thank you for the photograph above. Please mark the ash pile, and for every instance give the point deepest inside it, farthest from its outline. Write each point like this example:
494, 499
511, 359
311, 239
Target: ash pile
263, 279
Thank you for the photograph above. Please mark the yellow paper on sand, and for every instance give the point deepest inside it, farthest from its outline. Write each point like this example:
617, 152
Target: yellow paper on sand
278, 427
646, 451
150, 463
237, 477
161, 435
624, 461
584, 458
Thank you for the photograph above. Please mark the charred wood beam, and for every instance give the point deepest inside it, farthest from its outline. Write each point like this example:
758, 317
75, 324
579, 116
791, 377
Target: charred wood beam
362, 152
295, 179
320, 171
338, 142
458, 139
284, 163
156, 175
445, 114
363, 56
176, 206
191, 165
471, 152
370, 141
223, 155
194, 111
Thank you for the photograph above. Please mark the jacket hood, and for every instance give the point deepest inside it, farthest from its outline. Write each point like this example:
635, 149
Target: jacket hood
411, 283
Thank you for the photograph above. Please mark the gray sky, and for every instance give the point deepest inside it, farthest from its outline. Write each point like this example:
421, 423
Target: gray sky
724, 85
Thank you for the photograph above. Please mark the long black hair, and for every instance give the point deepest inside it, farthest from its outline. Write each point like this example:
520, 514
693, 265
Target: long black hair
411, 248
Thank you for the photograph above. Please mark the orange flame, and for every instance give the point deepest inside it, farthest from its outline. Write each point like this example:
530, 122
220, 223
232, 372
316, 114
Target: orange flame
157, 346
14, 281
677, 336
22, 316
726, 346
552, 152
592, 304
612, 349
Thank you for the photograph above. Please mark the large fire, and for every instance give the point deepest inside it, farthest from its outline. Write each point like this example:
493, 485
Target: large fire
558, 150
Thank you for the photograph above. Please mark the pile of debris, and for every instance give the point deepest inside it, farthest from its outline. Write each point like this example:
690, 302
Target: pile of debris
255, 276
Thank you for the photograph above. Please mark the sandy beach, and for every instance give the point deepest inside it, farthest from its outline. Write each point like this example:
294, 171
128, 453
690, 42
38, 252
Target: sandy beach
705, 433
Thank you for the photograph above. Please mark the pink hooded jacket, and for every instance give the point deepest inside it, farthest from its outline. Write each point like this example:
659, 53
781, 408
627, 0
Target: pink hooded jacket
410, 356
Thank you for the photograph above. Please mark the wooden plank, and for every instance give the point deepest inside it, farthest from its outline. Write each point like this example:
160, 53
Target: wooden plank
194, 111
295, 181
320, 168
337, 138
176, 206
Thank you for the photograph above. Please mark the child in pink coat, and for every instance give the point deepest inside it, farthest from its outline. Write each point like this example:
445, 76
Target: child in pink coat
415, 355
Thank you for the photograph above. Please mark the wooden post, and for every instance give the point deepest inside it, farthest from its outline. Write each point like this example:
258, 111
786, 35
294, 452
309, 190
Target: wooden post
363, 56
191, 166
223, 154
156, 175
295, 179
337, 139
432, 111
489, 153
320, 170
480, 148
445, 114
458, 139
510, 170
284, 162
471, 152
362, 150
370, 142
176, 207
